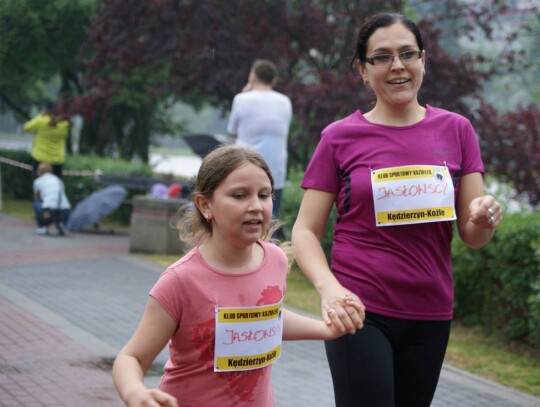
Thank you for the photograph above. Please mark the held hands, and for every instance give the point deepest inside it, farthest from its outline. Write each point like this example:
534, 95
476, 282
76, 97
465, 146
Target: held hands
151, 398
342, 309
331, 331
485, 212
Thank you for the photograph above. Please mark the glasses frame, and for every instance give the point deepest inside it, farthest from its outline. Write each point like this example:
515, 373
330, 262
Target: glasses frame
371, 60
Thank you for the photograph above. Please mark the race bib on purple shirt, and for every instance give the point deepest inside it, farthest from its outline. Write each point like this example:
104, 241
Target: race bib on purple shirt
412, 194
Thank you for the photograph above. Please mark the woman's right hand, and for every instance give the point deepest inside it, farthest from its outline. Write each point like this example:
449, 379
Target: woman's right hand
342, 308
151, 398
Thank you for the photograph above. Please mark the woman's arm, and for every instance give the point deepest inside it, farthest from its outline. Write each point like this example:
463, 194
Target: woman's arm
307, 234
478, 215
154, 331
34, 124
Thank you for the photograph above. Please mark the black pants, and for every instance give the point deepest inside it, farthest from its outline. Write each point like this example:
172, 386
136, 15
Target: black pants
390, 362
46, 216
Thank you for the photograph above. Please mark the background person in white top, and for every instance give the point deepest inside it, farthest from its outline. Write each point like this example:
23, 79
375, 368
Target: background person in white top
260, 119
50, 201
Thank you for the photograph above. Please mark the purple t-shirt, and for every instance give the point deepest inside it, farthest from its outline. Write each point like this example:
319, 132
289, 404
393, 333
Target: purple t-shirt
400, 271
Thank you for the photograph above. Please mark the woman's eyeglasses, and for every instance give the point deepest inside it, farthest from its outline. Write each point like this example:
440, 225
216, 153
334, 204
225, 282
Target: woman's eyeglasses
406, 57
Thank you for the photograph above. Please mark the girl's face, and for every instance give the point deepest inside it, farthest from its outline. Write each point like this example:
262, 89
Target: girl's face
241, 206
395, 84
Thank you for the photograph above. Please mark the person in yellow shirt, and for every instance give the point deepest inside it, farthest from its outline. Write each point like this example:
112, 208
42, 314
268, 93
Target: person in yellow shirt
50, 142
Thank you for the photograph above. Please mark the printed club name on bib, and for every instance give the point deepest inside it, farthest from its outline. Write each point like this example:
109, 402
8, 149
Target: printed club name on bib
412, 194
247, 338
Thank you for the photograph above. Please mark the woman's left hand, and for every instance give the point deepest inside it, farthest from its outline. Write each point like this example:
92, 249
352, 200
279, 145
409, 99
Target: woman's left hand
485, 212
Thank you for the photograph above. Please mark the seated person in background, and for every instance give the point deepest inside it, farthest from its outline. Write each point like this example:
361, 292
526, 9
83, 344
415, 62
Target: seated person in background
50, 201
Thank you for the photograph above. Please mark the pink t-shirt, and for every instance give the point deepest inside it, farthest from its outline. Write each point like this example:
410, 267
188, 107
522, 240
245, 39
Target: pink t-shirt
190, 290
398, 271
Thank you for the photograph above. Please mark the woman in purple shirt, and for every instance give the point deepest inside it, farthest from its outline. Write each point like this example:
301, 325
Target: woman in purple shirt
399, 175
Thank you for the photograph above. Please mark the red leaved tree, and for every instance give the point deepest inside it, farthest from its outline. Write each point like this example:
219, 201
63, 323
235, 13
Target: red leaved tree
511, 147
142, 54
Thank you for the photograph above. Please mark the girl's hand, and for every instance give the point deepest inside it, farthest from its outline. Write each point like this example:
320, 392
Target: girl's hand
331, 332
343, 309
151, 398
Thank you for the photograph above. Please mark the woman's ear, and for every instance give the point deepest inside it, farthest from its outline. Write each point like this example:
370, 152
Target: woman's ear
361, 70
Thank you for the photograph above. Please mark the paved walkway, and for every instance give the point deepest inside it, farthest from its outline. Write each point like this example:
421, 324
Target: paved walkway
68, 304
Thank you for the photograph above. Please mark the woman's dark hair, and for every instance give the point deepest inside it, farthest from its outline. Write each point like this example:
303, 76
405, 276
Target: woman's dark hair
375, 22
51, 109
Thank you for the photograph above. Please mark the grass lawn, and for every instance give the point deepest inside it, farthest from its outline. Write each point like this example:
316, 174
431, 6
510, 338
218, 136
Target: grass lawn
18, 209
515, 365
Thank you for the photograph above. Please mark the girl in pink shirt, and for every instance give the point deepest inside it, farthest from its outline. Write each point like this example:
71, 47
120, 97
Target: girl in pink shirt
220, 306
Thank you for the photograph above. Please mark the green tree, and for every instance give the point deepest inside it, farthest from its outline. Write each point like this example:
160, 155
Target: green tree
511, 145
39, 46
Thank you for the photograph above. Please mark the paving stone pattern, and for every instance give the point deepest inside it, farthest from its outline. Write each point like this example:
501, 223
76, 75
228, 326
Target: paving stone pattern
68, 305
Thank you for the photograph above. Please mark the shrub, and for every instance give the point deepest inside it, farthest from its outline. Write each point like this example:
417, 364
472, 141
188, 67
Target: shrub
534, 298
16, 182
498, 287
292, 197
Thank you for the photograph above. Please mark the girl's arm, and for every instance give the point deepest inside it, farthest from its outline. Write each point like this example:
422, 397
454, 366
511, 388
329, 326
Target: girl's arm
478, 215
299, 327
307, 234
133, 361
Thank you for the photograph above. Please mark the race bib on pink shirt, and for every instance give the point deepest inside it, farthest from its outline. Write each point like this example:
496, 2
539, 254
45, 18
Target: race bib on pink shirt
247, 338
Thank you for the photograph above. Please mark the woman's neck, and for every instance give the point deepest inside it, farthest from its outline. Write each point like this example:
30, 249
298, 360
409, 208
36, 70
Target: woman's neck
396, 117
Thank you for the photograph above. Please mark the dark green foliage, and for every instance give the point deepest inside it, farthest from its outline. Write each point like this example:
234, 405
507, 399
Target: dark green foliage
292, 196
16, 182
534, 297
39, 45
498, 287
